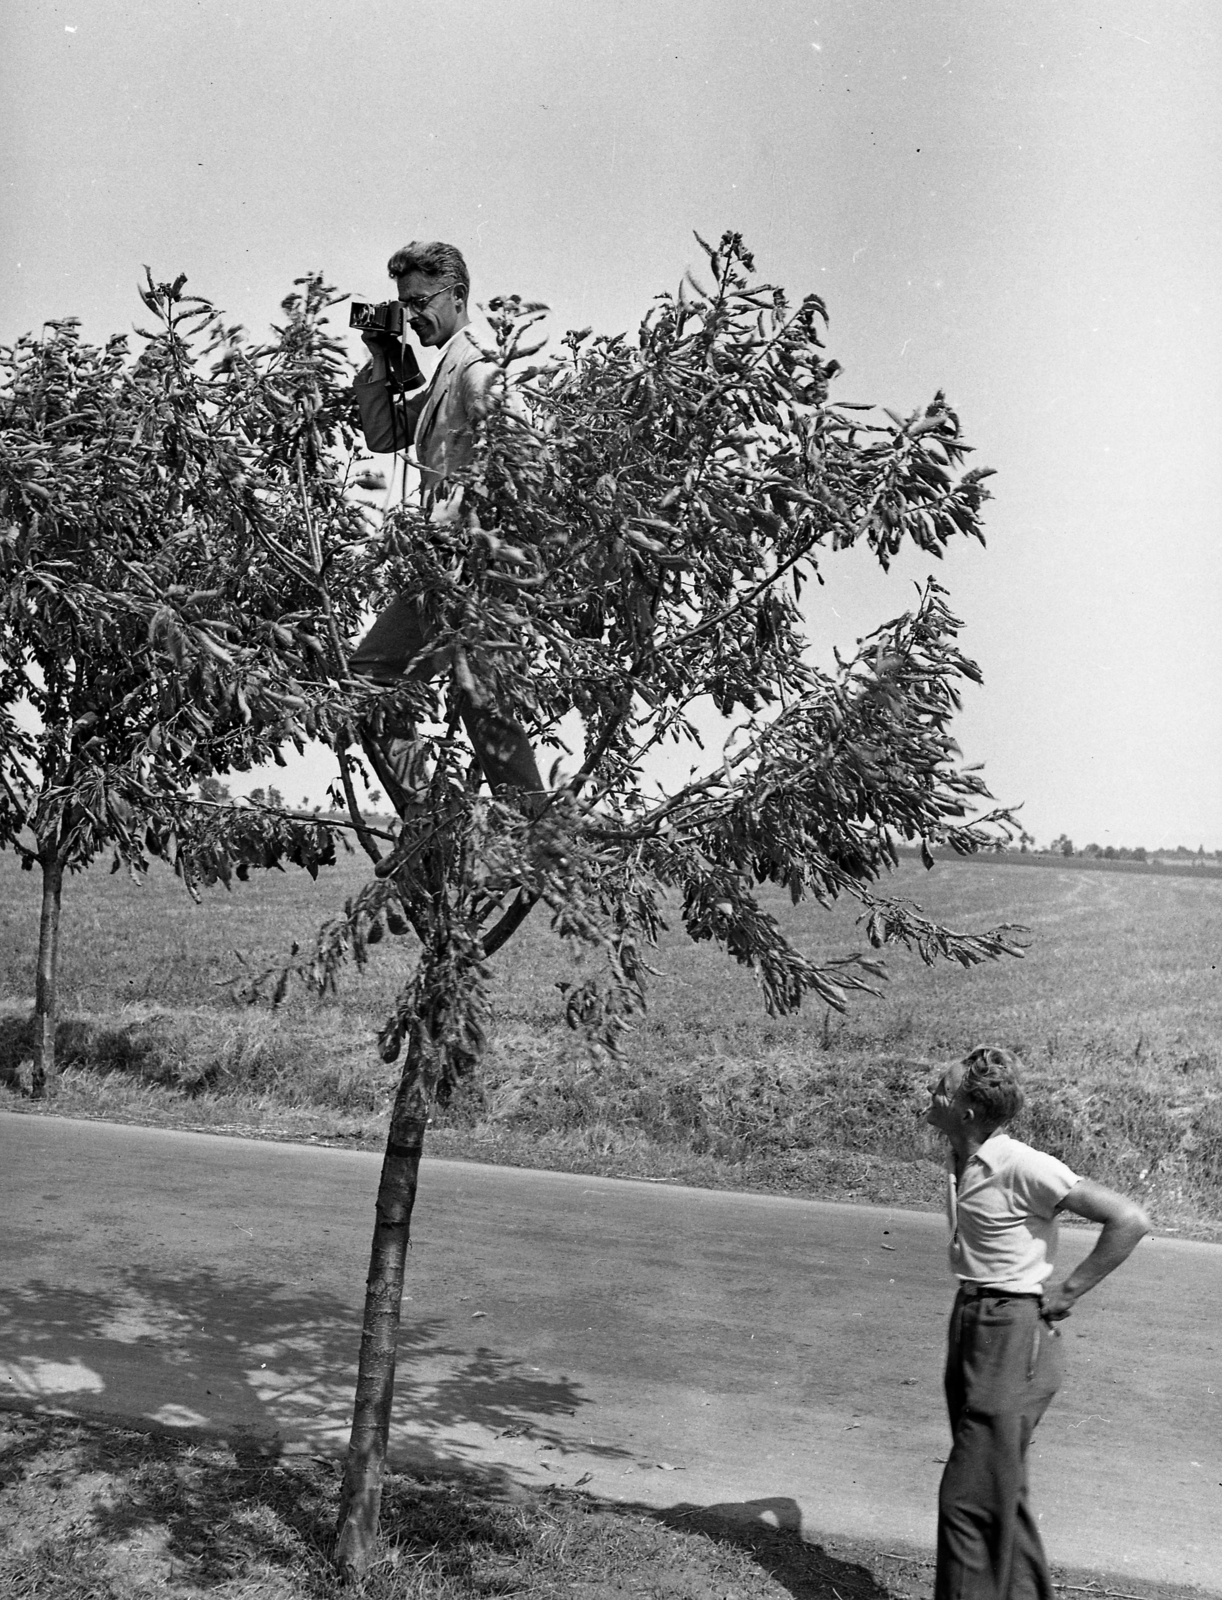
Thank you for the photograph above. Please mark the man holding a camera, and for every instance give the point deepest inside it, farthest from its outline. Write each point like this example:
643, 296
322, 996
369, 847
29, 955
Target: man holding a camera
439, 420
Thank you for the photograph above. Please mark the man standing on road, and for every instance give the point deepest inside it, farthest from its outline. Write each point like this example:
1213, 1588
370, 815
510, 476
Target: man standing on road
440, 419
1003, 1362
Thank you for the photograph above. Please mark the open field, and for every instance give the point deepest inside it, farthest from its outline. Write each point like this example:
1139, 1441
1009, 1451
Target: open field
1117, 1011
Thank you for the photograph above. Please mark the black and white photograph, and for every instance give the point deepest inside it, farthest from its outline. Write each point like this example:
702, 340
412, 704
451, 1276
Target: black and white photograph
611, 800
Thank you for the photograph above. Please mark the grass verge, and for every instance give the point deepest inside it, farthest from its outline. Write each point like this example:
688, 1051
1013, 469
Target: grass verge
1116, 1011
94, 1512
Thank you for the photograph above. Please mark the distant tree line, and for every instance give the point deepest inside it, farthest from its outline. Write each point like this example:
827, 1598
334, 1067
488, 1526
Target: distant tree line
1063, 845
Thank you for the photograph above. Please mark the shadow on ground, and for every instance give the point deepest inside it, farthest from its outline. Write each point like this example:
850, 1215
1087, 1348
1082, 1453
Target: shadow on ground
181, 1494
768, 1531
282, 1361
132, 1047
145, 1049
91, 1509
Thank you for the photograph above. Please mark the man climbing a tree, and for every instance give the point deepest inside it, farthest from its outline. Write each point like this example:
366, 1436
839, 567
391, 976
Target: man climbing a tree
440, 420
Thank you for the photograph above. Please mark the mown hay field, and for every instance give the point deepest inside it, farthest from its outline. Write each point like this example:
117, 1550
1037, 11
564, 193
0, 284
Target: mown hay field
1116, 1010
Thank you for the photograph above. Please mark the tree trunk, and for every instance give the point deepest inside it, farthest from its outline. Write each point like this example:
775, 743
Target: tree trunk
361, 1497
46, 1013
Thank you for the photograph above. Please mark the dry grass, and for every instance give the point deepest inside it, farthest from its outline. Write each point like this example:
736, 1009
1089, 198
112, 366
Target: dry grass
90, 1512
1117, 1011
95, 1513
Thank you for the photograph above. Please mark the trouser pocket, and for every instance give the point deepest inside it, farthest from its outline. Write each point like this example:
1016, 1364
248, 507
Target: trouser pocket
1008, 1357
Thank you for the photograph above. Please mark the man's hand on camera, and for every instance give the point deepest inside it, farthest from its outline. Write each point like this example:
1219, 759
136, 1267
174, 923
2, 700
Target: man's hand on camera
392, 359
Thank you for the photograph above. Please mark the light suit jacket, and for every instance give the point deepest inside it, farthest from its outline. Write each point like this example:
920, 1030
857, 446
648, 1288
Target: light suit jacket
440, 420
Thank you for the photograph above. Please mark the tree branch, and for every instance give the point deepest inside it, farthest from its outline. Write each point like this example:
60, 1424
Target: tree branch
313, 817
520, 908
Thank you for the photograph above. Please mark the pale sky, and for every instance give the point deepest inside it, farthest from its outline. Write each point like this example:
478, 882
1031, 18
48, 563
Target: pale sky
1018, 201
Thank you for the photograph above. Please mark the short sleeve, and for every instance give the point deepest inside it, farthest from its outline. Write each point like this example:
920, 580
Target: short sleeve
1042, 1181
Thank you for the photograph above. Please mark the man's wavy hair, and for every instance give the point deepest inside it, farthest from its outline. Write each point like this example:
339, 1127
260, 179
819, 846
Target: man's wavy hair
431, 259
991, 1084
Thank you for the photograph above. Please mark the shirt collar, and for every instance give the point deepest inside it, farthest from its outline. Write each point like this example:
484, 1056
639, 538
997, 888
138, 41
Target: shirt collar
458, 333
992, 1150
474, 331
989, 1154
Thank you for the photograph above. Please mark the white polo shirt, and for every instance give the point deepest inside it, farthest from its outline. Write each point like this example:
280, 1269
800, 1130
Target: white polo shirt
1002, 1215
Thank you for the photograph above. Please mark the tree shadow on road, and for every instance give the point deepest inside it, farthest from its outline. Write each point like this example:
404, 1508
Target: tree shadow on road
268, 1365
240, 1392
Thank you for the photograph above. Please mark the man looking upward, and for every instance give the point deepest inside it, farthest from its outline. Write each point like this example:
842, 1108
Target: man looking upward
1003, 1362
441, 420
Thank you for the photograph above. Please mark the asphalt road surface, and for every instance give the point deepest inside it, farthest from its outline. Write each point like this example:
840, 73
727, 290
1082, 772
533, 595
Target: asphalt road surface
654, 1344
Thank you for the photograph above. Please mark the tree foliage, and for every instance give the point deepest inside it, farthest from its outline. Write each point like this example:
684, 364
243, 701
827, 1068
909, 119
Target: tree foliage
634, 543
184, 564
164, 611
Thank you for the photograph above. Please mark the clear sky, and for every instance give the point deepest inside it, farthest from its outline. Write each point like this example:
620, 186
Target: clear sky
1018, 201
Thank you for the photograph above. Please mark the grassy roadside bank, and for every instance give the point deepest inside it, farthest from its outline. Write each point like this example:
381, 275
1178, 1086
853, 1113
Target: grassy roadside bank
1116, 1010
90, 1512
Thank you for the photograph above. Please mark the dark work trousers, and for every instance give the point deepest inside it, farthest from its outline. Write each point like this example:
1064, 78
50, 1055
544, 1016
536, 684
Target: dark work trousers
1003, 1366
402, 642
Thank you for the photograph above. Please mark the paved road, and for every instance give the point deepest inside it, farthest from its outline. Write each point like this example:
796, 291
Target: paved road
664, 1345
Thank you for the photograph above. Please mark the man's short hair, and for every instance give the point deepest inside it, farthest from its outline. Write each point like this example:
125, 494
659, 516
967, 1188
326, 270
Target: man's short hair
991, 1084
432, 260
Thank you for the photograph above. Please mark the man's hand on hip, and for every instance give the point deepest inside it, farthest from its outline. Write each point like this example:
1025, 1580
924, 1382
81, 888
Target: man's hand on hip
1056, 1303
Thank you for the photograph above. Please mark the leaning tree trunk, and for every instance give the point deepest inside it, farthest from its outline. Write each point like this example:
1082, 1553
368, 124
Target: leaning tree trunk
361, 1497
45, 1008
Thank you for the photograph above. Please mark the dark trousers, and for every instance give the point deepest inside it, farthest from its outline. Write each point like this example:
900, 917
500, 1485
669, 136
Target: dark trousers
402, 642
1003, 1366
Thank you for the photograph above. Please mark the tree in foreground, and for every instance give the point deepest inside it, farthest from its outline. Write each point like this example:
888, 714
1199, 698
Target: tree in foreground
630, 550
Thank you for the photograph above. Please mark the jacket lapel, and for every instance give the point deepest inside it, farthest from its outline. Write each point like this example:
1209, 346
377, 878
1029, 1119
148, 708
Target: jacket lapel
437, 387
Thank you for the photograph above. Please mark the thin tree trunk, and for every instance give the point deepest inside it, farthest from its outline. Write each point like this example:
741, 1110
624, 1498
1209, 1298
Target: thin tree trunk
45, 1009
361, 1497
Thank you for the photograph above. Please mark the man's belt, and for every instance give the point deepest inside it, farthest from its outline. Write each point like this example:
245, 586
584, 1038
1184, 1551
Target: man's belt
984, 1291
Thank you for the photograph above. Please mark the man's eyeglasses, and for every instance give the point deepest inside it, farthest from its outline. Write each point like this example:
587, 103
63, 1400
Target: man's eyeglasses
414, 304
